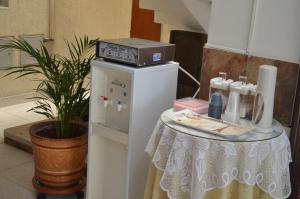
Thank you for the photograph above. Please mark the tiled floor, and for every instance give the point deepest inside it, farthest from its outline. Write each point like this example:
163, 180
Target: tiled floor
16, 166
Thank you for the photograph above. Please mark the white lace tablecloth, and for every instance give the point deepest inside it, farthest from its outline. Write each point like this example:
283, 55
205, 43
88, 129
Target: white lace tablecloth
196, 165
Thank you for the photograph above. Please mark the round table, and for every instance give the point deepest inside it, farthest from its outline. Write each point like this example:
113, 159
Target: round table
192, 163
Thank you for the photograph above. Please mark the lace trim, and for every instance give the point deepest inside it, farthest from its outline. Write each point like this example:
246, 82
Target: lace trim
193, 166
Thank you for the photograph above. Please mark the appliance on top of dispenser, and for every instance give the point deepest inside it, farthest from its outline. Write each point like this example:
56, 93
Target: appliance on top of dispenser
136, 52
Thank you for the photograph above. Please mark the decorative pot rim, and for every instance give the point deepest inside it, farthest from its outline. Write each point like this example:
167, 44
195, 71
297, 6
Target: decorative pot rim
49, 122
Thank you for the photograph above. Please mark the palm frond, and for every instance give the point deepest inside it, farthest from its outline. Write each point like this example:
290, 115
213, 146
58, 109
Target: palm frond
62, 79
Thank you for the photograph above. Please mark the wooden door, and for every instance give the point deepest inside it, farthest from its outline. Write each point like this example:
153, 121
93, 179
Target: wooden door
142, 23
189, 52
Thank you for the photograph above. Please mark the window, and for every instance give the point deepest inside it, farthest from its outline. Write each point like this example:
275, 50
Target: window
5, 55
35, 41
4, 3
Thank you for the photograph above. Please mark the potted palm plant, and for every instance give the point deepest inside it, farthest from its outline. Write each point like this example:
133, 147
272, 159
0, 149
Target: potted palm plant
60, 143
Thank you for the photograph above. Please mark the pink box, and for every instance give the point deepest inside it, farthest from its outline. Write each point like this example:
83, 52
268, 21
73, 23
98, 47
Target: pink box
196, 105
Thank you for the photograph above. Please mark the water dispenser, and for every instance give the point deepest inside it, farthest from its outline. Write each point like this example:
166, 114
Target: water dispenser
125, 104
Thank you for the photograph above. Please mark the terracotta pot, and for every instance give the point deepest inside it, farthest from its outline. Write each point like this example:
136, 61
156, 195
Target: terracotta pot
59, 163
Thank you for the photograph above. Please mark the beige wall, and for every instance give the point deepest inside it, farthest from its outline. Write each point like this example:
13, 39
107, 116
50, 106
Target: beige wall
23, 17
167, 28
95, 18
165, 32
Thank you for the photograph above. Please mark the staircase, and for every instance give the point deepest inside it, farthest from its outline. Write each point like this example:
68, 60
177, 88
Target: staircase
190, 14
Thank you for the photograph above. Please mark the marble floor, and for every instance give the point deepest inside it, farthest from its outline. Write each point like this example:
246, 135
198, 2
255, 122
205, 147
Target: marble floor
16, 171
16, 115
16, 166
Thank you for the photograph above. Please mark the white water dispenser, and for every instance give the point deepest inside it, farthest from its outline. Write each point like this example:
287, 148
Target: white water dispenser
125, 104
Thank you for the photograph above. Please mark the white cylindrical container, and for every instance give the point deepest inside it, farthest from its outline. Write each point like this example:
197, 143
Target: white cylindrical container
264, 99
232, 112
